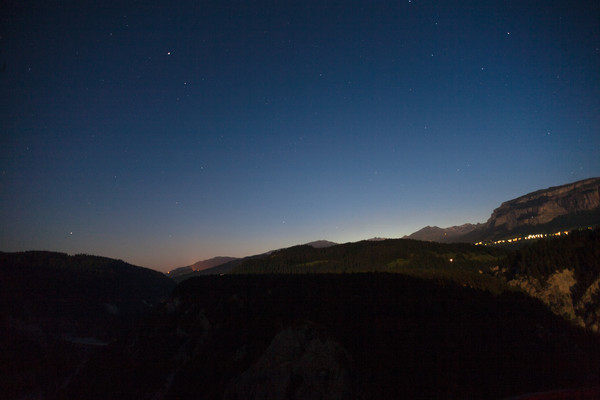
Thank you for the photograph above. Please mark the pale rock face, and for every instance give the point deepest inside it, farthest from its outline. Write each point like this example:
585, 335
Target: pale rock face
536, 208
544, 205
555, 292
589, 306
558, 293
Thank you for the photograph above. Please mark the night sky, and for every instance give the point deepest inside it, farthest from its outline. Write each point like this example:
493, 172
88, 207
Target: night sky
167, 132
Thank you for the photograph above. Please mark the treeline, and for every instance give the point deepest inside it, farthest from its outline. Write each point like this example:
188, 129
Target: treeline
393, 255
459, 262
579, 251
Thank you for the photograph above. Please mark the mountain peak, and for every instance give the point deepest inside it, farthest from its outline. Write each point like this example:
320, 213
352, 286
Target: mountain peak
555, 208
200, 265
443, 235
545, 205
319, 244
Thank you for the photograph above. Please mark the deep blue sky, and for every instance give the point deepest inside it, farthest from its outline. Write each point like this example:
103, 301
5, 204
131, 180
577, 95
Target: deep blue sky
166, 132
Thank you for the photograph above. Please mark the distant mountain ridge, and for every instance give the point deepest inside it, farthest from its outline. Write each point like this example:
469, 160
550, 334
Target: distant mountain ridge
321, 244
199, 266
556, 208
222, 265
212, 262
443, 235
559, 207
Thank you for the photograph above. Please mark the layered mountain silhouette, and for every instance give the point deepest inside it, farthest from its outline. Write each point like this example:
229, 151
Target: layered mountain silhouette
375, 319
199, 266
548, 210
451, 234
223, 265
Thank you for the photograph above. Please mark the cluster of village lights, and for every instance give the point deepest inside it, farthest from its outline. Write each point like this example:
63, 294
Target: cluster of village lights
528, 237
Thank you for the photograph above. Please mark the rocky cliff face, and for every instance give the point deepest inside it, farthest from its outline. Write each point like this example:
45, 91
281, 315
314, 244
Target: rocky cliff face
545, 205
548, 210
557, 293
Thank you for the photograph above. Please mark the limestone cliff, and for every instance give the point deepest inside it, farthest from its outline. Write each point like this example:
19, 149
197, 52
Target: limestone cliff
557, 293
549, 210
545, 205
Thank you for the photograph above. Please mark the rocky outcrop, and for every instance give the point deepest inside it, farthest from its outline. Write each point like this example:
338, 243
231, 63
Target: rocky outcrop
557, 293
300, 363
589, 307
545, 205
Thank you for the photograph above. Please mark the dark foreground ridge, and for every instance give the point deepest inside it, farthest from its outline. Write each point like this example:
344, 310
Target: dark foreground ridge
341, 336
57, 311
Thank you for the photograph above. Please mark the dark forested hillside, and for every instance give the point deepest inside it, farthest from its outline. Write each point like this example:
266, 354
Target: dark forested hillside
46, 284
341, 336
459, 262
351, 321
579, 251
390, 255
56, 309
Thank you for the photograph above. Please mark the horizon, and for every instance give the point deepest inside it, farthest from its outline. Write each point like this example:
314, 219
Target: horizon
166, 269
164, 134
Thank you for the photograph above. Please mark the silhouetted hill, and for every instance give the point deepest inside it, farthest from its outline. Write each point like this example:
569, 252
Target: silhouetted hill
563, 272
56, 309
463, 332
217, 270
177, 273
341, 336
321, 244
462, 262
452, 234
224, 265
39, 283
